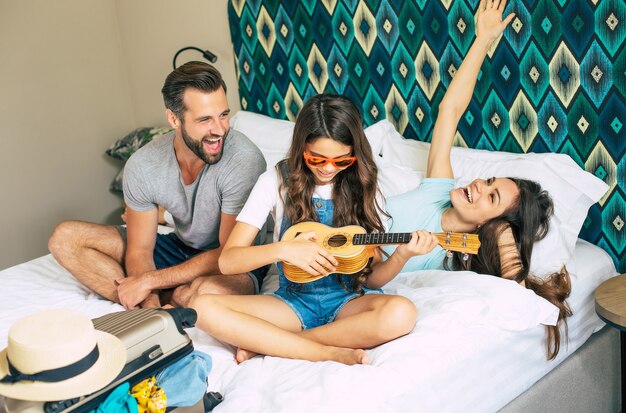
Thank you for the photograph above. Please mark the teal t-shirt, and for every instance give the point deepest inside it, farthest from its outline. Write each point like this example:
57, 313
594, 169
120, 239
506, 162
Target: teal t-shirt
420, 208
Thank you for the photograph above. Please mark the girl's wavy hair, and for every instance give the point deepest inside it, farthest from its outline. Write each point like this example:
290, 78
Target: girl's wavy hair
529, 220
354, 188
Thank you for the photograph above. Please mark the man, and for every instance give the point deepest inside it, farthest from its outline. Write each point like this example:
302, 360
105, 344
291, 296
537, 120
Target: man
202, 173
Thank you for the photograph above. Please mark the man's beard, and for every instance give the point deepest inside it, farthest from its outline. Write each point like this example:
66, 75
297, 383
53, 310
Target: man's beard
198, 149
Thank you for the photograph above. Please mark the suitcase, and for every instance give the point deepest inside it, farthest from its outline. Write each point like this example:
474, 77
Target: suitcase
154, 338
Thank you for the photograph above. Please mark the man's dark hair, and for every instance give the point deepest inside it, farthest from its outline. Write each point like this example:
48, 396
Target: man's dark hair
195, 75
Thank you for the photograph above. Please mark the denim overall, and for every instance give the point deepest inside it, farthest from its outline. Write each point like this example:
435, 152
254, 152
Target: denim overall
316, 303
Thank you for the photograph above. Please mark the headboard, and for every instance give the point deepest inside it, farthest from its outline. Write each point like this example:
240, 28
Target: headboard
555, 83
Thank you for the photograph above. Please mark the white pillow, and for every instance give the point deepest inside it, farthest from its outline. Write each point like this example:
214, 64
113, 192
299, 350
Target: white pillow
572, 189
273, 136
396, 179
393, 179
377, 134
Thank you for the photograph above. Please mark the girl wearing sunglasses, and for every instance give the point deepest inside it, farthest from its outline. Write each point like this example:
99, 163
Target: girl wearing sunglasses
330, 177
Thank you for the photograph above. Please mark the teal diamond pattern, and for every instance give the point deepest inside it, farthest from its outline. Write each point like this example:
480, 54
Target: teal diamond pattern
556, 81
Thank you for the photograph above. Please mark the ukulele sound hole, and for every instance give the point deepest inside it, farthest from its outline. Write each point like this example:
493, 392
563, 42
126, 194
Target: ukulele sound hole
337, 240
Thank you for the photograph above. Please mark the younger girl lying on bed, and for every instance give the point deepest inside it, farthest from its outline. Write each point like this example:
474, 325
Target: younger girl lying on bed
508, 214
329, 176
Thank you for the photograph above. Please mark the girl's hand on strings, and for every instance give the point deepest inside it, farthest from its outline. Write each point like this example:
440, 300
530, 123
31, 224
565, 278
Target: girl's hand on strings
422, 242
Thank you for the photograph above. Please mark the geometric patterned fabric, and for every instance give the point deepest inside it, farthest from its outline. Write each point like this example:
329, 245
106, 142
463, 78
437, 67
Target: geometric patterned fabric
555, 83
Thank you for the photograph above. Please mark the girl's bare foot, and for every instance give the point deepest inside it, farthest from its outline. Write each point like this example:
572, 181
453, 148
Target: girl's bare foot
349, 356
243, 355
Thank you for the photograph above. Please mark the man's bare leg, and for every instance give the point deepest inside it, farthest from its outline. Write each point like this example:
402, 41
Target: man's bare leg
92, 253
238, 284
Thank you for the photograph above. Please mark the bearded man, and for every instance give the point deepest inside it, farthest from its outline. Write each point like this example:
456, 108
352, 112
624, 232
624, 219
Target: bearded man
201, 173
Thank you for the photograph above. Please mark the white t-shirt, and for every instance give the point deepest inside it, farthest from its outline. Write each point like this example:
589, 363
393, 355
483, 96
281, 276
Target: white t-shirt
264, 200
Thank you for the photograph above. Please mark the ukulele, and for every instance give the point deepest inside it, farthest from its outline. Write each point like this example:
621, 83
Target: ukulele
353, 247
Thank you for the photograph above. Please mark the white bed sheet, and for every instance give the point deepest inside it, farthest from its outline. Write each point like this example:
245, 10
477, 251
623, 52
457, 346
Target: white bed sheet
468, 352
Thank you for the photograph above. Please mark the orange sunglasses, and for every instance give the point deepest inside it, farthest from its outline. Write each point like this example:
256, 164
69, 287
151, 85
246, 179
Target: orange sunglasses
320, 161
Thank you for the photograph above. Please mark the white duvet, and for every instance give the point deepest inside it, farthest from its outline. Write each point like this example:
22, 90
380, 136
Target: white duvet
478, 343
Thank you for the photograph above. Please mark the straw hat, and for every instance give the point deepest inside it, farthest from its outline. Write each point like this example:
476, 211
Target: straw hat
60, 355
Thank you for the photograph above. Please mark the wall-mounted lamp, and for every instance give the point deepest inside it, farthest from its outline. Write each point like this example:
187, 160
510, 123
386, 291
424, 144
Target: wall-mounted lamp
207, 55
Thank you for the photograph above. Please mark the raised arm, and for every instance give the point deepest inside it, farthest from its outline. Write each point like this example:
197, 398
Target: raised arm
489, 26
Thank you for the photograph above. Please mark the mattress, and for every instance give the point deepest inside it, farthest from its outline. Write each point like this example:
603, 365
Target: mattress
478, 342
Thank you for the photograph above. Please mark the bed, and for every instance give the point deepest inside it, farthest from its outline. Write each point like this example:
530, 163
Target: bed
478, 344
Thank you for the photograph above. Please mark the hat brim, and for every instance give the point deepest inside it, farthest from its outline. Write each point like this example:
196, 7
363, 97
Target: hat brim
110, 363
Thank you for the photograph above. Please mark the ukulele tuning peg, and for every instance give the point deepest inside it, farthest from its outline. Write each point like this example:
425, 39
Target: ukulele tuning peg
465, 256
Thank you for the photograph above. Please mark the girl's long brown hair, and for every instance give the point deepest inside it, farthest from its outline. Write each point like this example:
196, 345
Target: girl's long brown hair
529, 221
354, 188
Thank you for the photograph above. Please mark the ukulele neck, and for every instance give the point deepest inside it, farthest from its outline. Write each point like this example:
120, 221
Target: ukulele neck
451, 241
386, 238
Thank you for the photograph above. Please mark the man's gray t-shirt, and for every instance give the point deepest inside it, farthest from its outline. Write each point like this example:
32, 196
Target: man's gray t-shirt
152, 177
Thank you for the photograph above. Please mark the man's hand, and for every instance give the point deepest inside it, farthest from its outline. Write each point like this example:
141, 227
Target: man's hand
132, 291
489, 23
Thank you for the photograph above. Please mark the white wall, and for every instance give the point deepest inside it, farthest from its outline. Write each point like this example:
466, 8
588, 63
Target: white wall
154, 30
75, 76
